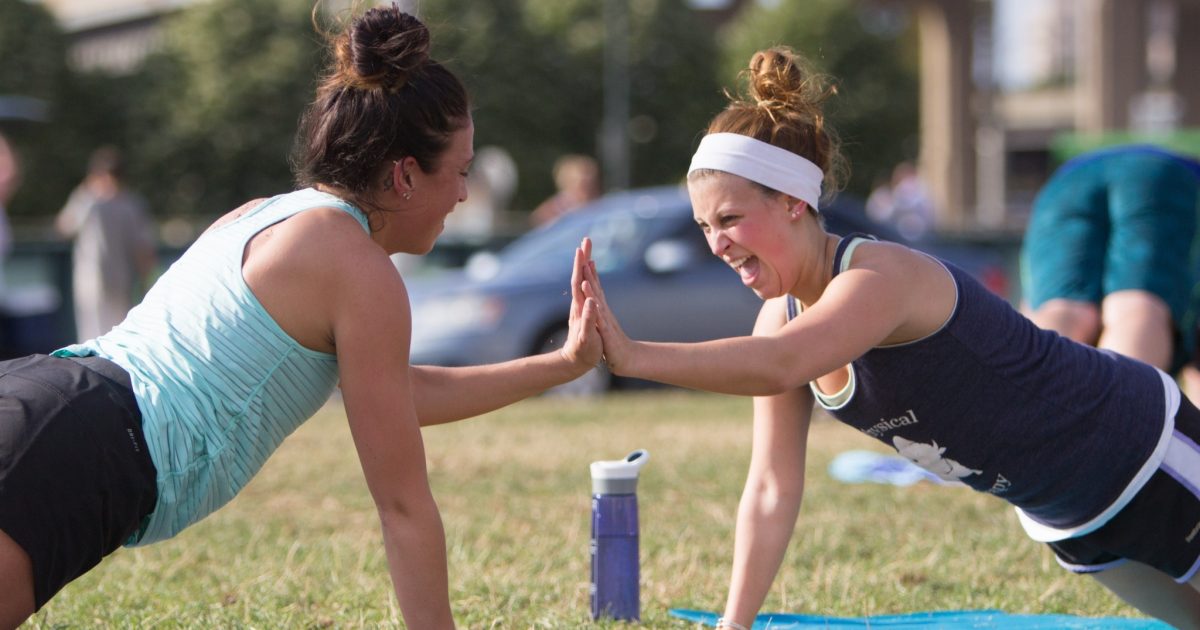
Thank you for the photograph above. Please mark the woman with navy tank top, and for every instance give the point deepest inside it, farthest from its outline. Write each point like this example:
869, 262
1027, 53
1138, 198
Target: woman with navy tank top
129, 438
1097, 452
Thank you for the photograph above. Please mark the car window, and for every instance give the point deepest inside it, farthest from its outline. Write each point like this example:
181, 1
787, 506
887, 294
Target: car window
615, 240
616, 237
690, 233
562, 235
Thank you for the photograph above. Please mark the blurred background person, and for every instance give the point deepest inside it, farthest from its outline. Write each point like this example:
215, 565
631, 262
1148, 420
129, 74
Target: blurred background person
904, 201
10, 180
490, 187
476, 222
578, 180
1110, 256
879, 204
114, 249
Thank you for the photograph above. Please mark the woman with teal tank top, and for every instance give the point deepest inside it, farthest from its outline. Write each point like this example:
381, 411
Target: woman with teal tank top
128, 438
1110, 255
1097, 452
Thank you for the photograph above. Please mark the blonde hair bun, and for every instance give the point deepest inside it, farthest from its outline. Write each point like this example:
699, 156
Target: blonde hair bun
783, 108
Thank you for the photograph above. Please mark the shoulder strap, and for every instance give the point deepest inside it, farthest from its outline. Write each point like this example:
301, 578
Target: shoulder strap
845, 247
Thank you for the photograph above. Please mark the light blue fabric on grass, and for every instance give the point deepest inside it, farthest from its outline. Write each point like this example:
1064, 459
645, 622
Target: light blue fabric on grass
942, 620
860, 466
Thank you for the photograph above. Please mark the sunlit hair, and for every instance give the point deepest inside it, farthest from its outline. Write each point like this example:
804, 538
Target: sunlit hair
784, 108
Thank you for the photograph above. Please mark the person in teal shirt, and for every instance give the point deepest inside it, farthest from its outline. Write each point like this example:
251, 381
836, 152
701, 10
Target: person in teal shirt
1109, 257
130, 437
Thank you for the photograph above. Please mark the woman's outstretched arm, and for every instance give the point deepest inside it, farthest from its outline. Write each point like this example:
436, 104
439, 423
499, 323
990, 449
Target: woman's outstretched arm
445, 394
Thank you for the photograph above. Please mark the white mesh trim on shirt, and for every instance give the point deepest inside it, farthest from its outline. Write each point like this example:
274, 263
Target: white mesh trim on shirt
1046, 533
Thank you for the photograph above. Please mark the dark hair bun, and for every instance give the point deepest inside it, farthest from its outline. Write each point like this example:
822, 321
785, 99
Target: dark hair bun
383, 48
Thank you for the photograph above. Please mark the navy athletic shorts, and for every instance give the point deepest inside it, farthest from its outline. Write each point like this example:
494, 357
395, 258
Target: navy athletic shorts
76, 478
1161, 525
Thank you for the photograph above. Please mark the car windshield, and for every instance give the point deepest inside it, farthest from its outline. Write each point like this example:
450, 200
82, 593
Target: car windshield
615, 233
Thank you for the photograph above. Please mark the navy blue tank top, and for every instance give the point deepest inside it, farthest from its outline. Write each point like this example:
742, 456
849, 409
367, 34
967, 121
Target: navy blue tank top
1059, 429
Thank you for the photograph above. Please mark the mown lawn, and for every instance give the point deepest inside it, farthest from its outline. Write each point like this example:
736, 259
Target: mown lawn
300, 547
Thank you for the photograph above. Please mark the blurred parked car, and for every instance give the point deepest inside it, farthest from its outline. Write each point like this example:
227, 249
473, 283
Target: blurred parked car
659, 276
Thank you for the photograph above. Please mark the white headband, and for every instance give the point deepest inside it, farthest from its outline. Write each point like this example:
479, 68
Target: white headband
760, 162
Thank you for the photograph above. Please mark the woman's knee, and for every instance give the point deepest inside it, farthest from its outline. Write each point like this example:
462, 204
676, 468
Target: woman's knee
1138, 324
1154, 593
1073, 319
1135, 307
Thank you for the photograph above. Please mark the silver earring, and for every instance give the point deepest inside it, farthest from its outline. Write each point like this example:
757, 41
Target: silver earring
407, 195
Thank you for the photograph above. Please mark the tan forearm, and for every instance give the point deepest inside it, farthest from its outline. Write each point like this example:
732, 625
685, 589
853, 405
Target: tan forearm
764, 528
444, 394
416, 551
744, 366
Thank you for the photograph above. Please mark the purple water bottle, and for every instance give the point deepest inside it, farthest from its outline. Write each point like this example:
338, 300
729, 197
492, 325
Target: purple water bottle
615, 537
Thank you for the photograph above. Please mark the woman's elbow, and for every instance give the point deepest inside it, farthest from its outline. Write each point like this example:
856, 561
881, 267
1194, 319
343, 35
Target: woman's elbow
772, 494
404, 508
775, 382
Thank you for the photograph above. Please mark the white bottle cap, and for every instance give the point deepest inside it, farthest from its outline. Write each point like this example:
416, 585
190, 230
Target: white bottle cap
618, 476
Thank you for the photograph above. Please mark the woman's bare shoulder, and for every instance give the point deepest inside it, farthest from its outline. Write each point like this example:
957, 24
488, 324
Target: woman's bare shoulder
235, 214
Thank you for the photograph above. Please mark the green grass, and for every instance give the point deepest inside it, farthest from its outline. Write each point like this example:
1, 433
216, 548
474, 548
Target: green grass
300, 547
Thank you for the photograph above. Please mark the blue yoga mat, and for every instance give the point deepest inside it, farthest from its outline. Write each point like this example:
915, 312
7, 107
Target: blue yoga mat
946, 620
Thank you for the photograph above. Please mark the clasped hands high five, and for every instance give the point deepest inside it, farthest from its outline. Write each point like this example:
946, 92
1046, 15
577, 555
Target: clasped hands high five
595, 334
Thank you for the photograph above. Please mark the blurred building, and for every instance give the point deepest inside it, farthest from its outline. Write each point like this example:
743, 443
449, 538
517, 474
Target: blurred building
1010, 87
112, 35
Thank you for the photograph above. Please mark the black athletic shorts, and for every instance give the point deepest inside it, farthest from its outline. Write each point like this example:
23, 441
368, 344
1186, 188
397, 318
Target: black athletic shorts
1161, 524
76, 478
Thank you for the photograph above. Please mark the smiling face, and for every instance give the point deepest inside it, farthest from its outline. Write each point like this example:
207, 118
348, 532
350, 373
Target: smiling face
760, 235
432, 195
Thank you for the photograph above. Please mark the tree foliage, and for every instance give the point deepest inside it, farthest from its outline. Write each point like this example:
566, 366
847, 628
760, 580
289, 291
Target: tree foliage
869, 51
535, 72
34, 65
219, 113
217, 120
527, 95
209, 120
29, 35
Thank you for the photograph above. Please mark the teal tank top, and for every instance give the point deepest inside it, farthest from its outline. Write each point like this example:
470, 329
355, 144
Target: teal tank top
218, 382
